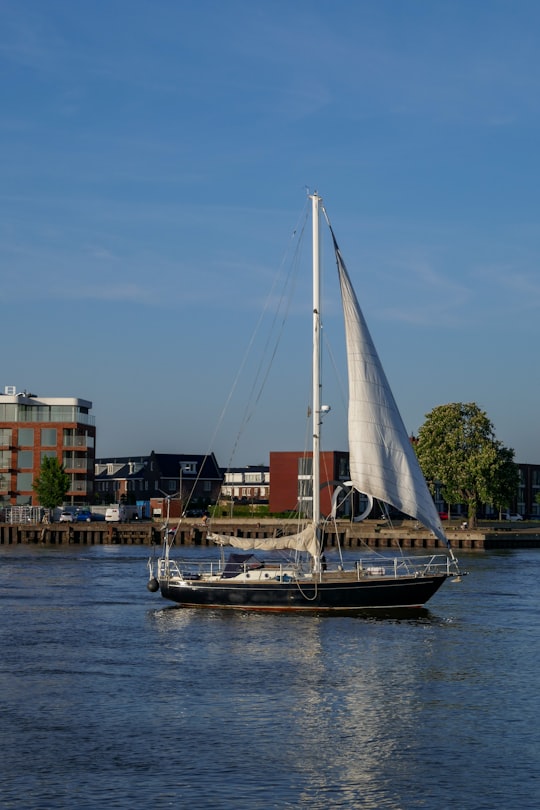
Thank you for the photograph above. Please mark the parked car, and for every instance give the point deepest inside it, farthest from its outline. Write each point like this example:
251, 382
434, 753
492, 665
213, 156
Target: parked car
83, 516
513, 518
66, 517
443, 515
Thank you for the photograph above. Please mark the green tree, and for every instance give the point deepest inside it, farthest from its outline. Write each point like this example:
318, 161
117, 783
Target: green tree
52, 484
506, 479
457, 447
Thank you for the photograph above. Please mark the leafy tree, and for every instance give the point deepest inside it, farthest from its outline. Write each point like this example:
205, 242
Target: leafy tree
506, 479
52, 484
457, 447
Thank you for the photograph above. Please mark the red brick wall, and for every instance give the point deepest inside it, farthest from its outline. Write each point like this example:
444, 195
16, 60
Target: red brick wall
284, 480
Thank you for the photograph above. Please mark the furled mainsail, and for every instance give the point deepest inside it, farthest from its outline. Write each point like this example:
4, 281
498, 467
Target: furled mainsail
305, 540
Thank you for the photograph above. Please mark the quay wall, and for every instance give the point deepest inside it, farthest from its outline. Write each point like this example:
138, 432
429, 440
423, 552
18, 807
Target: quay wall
194, 533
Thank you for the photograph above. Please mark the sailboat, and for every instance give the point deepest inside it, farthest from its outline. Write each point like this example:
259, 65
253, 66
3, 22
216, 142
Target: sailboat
383, 466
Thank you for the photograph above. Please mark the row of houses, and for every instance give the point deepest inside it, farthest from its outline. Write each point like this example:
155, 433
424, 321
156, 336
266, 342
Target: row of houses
32, 428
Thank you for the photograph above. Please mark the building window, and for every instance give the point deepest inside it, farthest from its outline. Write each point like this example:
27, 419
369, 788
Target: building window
343, 470
8, 413
5, 437
25, 459
26, 437
24, 481
5, 459
48, 437
48, 454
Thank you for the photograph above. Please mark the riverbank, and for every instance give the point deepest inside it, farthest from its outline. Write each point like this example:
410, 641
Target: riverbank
374, 534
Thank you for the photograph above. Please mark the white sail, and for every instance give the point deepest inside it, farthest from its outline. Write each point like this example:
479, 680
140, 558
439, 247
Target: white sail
383, 463
305, 540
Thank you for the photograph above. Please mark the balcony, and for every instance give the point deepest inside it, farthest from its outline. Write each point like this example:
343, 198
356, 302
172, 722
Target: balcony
83, 442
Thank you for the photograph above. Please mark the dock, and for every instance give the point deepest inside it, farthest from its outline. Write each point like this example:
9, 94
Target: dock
373, 534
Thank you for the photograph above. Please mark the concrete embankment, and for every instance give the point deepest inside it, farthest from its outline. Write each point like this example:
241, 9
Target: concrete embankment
372, 534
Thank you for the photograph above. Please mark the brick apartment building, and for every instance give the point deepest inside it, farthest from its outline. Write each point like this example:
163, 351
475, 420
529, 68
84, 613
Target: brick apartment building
290, 487
290, 480
33, 427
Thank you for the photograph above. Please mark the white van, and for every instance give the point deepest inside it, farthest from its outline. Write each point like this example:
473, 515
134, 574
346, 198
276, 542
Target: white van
121, 512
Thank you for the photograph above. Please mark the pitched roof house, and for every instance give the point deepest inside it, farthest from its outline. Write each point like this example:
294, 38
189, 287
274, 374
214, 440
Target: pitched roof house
189, 478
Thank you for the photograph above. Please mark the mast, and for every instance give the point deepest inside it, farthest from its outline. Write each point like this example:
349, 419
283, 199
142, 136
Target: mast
316, 396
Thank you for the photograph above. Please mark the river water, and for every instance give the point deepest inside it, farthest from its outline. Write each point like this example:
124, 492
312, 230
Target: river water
110, 697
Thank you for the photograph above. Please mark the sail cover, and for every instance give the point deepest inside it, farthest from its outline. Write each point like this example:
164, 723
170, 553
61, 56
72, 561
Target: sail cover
305, 540
383, 463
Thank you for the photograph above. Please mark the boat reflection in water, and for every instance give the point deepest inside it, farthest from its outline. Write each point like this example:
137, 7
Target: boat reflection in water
349, 694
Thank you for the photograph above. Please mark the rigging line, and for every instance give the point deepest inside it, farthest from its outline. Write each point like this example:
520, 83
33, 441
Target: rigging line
283, 306
250, 345
335, 369
302, 493
333, 522
326, 343
301, 226
304, 594
291, 279
254, 397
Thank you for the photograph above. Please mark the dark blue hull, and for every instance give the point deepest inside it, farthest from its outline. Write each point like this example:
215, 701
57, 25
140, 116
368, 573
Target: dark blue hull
306, 596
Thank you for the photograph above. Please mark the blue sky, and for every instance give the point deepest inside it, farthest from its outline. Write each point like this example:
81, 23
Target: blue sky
155, 156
